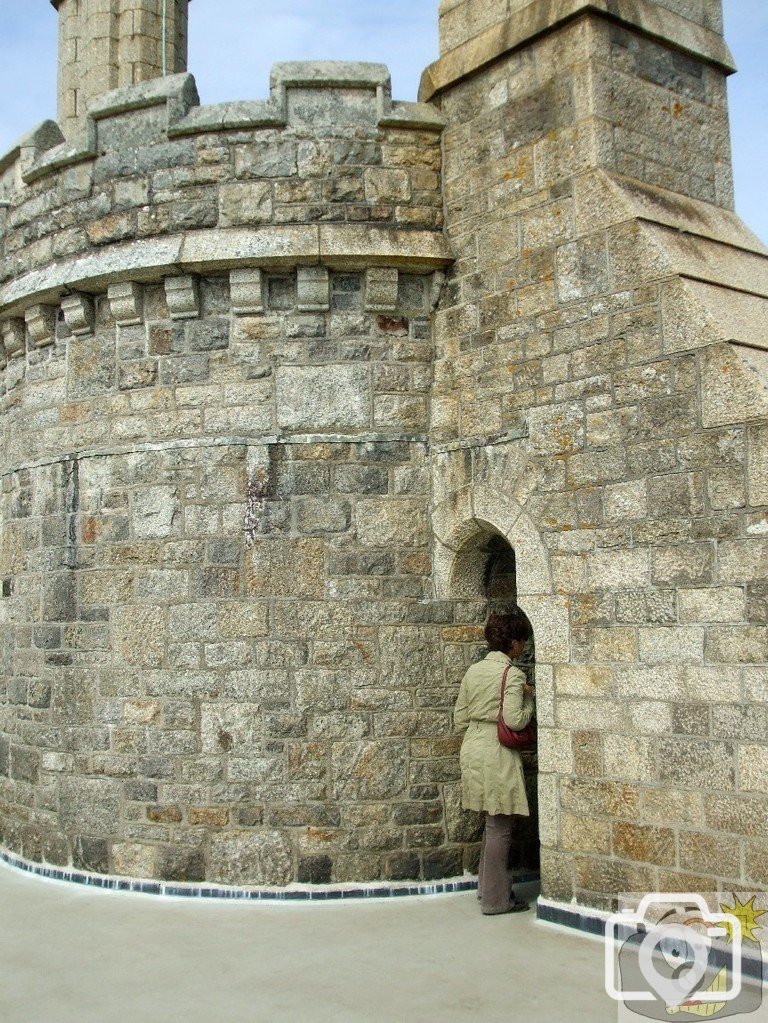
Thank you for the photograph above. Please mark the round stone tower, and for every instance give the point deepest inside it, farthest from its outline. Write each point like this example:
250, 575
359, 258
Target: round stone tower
222, 658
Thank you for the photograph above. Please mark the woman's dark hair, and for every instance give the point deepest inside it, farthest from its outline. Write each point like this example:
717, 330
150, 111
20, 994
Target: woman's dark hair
501, 631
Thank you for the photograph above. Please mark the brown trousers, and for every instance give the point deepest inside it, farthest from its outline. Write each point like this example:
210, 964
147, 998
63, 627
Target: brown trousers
493, 879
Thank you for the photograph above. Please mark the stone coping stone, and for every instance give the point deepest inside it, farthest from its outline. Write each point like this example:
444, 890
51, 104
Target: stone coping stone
329, 74
234, 116
420, 116
245, 115
542, 16
42, 137
179, 88
68, 154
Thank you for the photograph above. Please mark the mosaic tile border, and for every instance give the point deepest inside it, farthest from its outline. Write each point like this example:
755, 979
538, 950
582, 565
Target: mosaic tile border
319, 893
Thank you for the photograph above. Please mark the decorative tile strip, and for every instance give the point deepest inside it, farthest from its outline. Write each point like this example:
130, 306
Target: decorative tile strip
319, 893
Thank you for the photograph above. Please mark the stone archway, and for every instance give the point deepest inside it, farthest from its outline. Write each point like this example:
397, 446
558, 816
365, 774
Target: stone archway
480, 510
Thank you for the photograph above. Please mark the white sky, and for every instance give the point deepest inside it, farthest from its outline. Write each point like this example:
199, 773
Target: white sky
233, 43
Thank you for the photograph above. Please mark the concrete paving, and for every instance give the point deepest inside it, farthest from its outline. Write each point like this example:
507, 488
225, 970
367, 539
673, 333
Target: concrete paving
74, 955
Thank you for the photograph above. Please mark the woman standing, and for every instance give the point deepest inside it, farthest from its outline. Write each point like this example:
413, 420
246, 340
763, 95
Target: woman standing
491, 774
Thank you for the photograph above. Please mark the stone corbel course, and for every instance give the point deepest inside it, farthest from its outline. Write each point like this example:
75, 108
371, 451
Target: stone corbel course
337, 247
41, 325
78, 313
247, 290
125, 302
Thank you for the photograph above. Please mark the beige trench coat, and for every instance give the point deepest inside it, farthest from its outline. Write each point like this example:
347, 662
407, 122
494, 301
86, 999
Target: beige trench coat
491, 774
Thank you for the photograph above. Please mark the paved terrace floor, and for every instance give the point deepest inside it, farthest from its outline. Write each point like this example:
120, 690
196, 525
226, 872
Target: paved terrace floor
73, 955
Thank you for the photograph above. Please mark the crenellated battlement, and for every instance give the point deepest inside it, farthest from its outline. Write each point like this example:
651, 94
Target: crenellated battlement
324, 97
328, 170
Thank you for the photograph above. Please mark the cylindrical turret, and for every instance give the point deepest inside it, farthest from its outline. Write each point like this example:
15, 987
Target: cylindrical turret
105, 44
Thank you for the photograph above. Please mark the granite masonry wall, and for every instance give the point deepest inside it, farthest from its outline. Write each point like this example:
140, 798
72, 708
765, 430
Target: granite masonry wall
222, 656
291, 389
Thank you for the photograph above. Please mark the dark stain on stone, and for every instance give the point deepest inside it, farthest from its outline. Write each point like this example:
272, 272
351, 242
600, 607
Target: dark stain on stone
315, 869
392, 325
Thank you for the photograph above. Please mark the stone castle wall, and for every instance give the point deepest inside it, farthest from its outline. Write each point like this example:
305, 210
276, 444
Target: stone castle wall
293, 388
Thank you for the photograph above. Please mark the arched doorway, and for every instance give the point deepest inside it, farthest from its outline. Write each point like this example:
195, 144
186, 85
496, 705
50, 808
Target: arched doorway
485, 572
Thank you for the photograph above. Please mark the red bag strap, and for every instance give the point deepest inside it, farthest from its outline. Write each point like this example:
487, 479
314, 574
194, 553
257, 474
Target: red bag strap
503, 685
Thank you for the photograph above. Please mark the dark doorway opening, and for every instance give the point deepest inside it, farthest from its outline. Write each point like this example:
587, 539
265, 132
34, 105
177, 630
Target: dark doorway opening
490, 563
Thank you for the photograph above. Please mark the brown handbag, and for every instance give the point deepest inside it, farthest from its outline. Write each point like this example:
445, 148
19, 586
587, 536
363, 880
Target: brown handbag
525, 738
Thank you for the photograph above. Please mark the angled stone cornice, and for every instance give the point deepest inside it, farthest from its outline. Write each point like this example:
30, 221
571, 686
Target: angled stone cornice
604, 199
543, 16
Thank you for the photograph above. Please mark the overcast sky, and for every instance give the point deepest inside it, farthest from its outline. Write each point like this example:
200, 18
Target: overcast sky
234, 42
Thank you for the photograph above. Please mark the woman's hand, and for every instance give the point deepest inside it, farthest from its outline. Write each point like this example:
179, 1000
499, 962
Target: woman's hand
527, 689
